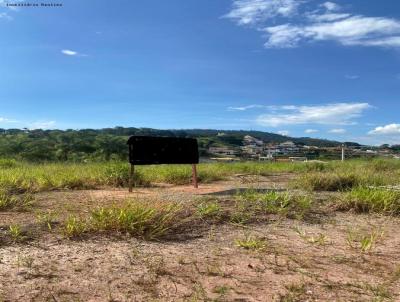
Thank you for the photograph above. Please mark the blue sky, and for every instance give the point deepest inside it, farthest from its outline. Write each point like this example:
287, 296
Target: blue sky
296, 67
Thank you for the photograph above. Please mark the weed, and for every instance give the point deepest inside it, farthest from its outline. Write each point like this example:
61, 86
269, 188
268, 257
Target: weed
320, 239
379, 291
27, 261
74, 227
240, 217
251, 243
47, 219
209, 209
11, 201
156, 265
364, 241
199, 294
214, 269
295, 292
222, 290
15, 232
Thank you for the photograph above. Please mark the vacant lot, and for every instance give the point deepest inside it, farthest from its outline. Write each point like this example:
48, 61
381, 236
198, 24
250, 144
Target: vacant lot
251, 232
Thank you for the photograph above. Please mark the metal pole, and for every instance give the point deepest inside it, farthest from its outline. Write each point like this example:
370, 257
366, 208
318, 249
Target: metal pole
194, 176
131, 172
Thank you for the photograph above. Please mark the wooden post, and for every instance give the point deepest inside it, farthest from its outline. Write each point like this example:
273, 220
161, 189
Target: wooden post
194, 176
131, 172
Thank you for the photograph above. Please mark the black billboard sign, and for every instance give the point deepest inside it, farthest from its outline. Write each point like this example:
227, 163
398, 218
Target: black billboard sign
150, 150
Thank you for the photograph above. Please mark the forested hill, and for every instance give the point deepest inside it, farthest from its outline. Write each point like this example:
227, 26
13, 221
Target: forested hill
110, 143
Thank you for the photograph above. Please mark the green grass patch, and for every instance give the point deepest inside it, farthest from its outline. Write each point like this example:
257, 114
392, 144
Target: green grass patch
371, 200
140, 219
318, 181
251, 202
344, 176
209, 209
28, 177
19, 177
19, 202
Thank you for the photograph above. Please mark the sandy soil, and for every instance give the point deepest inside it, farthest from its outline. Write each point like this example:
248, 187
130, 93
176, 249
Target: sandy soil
311, 260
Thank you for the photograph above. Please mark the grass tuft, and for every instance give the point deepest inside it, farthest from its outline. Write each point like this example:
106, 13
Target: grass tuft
370, 200
16, 232
209, 209
12, 201
140, 219
318, 181
251, 243
282, 203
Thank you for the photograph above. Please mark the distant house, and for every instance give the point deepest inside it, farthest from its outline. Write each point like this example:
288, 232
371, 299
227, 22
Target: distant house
223, 151
288, 147
252, 150
285, 148
249, 140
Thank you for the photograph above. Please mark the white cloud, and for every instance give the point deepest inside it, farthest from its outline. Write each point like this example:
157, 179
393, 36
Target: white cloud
352, 76
72, 53
7, 120
5, 16
309, 131
244, 108
331, 6
327, 17
283, 132
325, 23
246, 12
69, 52
337, 131
42, 125
330, 114
391, 129
355, 30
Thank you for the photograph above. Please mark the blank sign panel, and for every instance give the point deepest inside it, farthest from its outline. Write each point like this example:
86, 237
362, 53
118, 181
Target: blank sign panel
149, 150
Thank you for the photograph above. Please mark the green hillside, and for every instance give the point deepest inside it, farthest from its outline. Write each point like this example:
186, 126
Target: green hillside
110, 143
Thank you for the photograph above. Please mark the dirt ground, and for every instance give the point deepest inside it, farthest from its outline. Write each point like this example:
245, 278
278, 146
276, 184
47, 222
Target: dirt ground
300, 260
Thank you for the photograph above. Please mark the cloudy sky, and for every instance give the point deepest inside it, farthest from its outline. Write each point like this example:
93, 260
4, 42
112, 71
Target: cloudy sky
296, 67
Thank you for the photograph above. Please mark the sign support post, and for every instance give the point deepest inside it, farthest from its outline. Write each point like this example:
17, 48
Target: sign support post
131, 172
194, 176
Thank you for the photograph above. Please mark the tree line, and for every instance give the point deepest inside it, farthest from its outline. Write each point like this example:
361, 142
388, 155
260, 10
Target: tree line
110, 143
